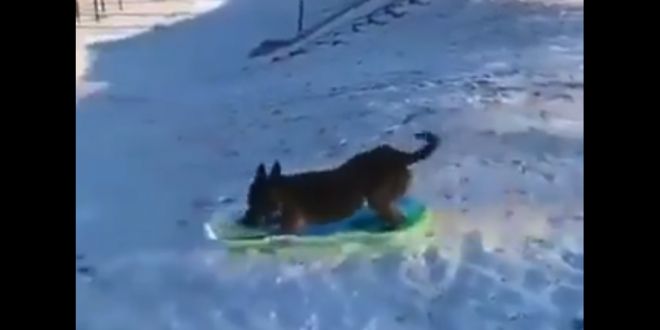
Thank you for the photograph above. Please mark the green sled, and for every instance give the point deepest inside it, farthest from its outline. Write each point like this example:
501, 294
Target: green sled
363, 232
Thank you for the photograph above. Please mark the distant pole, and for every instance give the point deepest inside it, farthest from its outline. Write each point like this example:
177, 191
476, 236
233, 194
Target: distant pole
96, 10
77, 12
103, 6
301, 11
121, 5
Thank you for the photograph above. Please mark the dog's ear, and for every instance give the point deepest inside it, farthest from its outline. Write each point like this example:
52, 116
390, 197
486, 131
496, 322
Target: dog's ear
276, 170
261, 173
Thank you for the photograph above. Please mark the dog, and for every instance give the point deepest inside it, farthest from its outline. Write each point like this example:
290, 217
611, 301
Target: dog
378, 177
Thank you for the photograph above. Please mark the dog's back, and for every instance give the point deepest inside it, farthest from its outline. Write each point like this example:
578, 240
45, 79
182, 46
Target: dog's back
371, 168
387, 156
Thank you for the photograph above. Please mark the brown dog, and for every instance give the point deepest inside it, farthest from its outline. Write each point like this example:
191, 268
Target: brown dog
379, 176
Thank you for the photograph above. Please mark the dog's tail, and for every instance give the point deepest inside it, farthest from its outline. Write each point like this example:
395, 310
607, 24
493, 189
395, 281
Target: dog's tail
432, 142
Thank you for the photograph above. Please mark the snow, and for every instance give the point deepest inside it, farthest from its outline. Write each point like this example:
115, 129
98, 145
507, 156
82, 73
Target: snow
136, 17
184, 117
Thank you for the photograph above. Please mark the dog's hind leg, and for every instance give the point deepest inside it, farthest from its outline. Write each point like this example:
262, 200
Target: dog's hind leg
383, 200
386, 210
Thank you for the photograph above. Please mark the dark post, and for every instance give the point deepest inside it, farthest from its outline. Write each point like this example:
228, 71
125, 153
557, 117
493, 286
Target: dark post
103, 6
77, 12
96, 10
301, 11
121, 5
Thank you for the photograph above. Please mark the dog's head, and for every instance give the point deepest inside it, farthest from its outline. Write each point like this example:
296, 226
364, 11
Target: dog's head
261, 199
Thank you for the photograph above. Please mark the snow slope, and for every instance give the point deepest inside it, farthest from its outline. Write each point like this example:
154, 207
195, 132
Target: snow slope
137, 16
185, 118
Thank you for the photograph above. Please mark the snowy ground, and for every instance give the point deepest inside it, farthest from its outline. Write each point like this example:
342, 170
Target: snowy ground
184, 118
135, 17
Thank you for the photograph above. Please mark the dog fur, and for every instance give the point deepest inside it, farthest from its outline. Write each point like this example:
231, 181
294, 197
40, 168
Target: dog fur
378, 177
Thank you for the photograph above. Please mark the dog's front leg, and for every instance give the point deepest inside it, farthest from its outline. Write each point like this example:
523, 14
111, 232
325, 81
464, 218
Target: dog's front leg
292, 222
